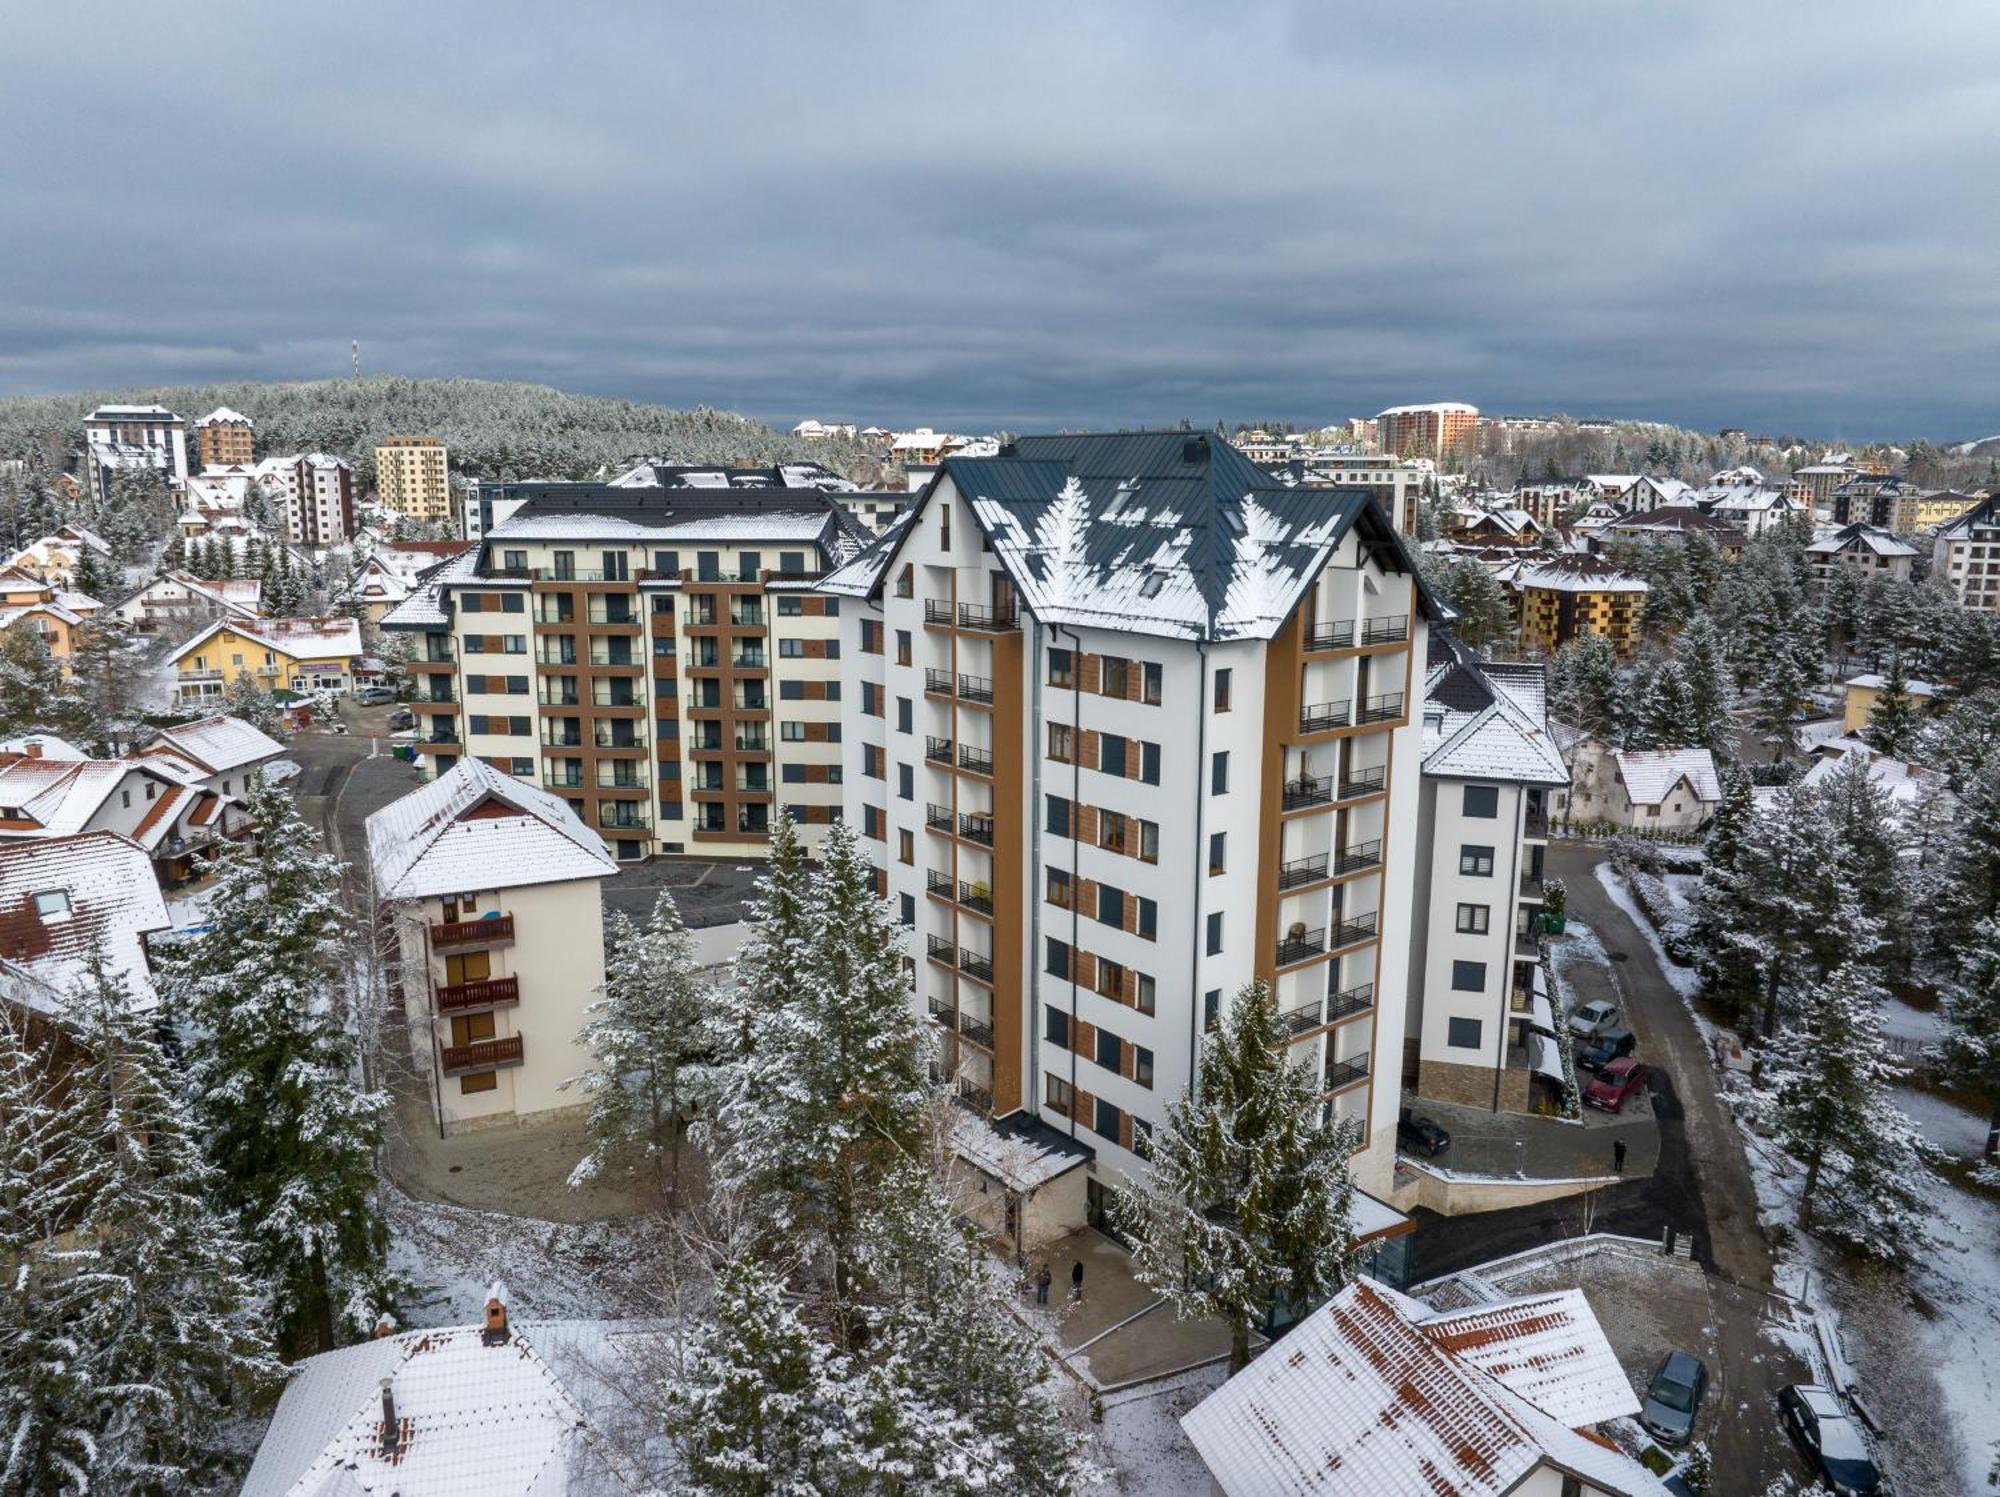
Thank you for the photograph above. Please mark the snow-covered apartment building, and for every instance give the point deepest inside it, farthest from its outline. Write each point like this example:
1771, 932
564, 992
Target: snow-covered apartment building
1966, 553
1133, 724
120, 438
656, 657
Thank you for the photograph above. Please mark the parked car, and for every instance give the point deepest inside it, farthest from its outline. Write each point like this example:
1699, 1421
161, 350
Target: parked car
374, 696
1594, 1018
1816, 1419
1673, 1398
402, 718
279, 771
1616, 1084
1422, 1136
1604, 1048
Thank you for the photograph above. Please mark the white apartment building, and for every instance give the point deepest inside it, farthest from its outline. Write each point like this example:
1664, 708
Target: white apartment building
122, 437
1476, 1031
656, 657
1132, 727
1966, 553
312, 497
1396, 481
493, 889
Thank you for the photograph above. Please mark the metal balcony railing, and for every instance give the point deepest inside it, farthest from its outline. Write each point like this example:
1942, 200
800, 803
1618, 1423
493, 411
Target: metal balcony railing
937, 611
979, 1031
1296, 1021
976, 828
1353, 932
975, 689
1331, 636
1302, 871
940, 949
1362, 855
1355, 1000
1296, 948
975, 897
939, 818
1385, 708
944, 1013
1363, 781
1324, 716
936, 681
972, 964
997, 620
975, 760
1343, 1073
1308, 790
1386, 631
937, 750
973, 1095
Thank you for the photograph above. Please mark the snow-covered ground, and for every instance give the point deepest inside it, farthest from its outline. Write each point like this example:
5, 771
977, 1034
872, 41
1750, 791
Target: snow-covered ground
1685, 980
1900, 1021
1142, 1440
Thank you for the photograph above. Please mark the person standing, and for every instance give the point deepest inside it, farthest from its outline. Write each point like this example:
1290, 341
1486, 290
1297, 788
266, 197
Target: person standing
1617, 1156
1076, 1282
1042, 1282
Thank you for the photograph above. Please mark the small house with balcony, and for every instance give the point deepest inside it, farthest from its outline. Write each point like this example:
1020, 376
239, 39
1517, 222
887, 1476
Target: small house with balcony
301, 655
492, 888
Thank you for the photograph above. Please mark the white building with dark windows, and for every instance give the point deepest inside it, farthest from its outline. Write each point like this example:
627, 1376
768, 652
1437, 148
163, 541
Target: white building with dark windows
126, 438
1132, 724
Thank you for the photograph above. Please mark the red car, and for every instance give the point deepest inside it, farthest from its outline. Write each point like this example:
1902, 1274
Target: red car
1616, 1082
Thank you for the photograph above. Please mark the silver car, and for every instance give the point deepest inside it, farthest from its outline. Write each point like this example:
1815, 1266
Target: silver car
1673, 1398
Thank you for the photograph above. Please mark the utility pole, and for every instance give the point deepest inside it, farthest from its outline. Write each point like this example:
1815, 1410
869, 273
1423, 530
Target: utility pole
357, 358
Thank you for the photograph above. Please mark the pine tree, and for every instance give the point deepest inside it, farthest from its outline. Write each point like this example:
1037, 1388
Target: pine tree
1971, 1047
1826, 1097
772, 962
273, 1078
1699, 652
1780, 690
1248, 1204
1892, 721
174, 1329
1584, 686
35, 696
1969, 883
653, 1039
1667, 711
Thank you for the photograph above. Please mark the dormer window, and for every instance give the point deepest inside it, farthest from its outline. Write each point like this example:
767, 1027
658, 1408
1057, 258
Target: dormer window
52, 904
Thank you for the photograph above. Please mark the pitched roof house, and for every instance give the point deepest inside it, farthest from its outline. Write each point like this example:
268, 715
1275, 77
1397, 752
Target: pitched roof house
1640, 789
65, 899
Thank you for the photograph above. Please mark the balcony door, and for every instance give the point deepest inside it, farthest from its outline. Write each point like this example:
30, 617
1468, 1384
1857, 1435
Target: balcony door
472, 966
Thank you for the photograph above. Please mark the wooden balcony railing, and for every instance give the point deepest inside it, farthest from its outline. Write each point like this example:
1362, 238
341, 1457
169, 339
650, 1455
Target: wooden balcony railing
486, 932
481, 1055
483, 992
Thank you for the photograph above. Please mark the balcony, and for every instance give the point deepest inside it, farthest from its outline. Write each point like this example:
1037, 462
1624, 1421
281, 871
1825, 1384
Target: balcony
939, 949
1382, 709
1392, 630
436, 695
975, 897
561, 740
1362, 782
937, 611
943, 1013
494, 930
979, 1031
975, 966
568, 780
1354, 932
439, 735
975, 760
1323, 717
1527, 946
1300, 946
482, 993
1356, 1000
1330, 636
1302, 871
1296, 1021
1308, 790
937, 682
1000, 620
1345, 1073
972, 1094
937, 750
939, 819
606, 740
975, 826
749, 660
975, 689
1535, 822
560, 699
1533, 888
1359, 858
481, 1055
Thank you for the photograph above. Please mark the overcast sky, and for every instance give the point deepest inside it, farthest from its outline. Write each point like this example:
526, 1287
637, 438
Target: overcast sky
1771, 215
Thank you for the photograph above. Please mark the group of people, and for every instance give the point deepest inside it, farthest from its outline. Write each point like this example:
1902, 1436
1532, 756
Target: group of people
1045, 1277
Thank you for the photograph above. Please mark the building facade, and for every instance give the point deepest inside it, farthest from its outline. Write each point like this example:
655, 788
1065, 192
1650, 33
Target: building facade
1575, 594
1966, 553
1133, 728
1427, 430
225, 439
1397, 482
655, 657
412, 477
299, 655
119, 438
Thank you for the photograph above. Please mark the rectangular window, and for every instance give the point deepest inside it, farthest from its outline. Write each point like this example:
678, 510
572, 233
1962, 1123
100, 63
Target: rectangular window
795, 649
1111, 753
1474, 919
1110, 905
1062, 742
1055, 1027
1150, 676
1475, 862
904, 714
792, 691
1058, 822
1482, 801
1059, 888
1110, 980
903, 647
1463, 1034
1059, 1096
1211, 1010
906, 846
1149, 763
1105, 1124
1142, 1066
667, 563
1058, 958
1215, 934
1218, 843
1149, 919
1117, 677
906, 782
1468, 977
1149, 842
909, 908
1218, 774
1062, 668
1223, 680
1145, 994
1107, 1050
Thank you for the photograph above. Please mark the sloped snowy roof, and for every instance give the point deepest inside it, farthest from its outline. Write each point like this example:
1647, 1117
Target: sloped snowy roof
222, 415
1864, 538
1360, 1400
1166, 533
748, 525
1487, 721
476, 828
1902, 782
300, 639
1649, 774
102, 897
526, 1416
1548, 1348
1874, 681
1574, 572
424, 608
1021, 1152
43, 745
221, 743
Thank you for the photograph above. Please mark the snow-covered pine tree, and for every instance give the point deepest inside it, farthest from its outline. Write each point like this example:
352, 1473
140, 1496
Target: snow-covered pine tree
1248, 1204
274, 1080
35, 696
1826, 1097
653, 1038
1892, 721
1781, 689
1970, 1049
761, 1406
1584, 686
1666, 710
1699, 652
1969, 888
174, 1330
957, 1350
773, 960
1724, 956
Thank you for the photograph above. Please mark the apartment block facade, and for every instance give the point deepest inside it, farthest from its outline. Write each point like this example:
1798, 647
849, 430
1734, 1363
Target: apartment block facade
312, 497
1132, 727
655, 657
225, 439
412, 477
1575, 594
1426, 430
1966, 553
122, 438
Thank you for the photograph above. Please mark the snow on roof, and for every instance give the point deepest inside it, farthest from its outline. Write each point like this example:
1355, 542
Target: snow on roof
1861, 537
1485, 721
1362, 1400
1649, 774
63, 898
1023, 1155
222, 743
127, 412
1442, 407
1873, 681
424, 608
1548, 1348
42, 746
476, 828
1575, 572
42, 797
528, 1415
1903, 783
748, 525
301, 639
223, 415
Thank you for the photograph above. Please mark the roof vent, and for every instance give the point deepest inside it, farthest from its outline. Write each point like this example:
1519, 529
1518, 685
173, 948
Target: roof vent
1195, 450
1008, 449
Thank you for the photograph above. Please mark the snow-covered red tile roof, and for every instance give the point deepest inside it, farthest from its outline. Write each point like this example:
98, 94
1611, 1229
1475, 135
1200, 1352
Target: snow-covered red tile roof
1360, 1400
476, 828
221, 743
109, 901
1548, 1348
1649, 774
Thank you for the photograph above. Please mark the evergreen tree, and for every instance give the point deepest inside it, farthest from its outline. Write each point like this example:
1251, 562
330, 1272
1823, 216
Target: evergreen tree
1780, 692
1969, 890
1667, 711
106, 664
772, 962
173, 1330
88, 577
1826, 1097
1584, 686
1892, 721
249, 701
1728, 967
652, 1039
35, 696
1248, 1205
1699, 653
273, 1076
1970, 1052
1485, 617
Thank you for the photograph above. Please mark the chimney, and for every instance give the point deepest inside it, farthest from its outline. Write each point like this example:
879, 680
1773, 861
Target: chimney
32, 748
385, 1325
496, 1333
392, 1429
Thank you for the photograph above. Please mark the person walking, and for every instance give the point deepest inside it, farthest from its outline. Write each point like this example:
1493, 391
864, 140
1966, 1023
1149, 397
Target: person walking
1617, 1156
1042, 1282
1076, 1282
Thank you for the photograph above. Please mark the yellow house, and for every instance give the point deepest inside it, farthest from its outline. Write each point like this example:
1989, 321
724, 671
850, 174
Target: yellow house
1574, 594
1862, 692
301, 655
28, 602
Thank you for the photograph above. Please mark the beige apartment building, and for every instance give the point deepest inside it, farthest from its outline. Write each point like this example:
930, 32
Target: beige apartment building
657, 658
225, 438
493, 889
411, 477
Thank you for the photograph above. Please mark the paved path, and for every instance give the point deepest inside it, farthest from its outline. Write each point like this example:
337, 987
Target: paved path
1698, 1125
1484, 1142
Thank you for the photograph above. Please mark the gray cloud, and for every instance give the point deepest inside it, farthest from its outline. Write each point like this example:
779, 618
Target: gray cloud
1772, 216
